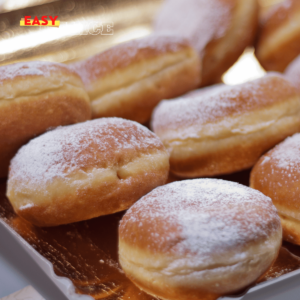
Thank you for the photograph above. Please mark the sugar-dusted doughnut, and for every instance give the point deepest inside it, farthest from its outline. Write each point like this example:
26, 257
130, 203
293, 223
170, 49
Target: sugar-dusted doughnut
277, 175
227, 130
220, 30
130, 79
216, 88
292, 73
86, 170
199, 239
35, 96
279, 38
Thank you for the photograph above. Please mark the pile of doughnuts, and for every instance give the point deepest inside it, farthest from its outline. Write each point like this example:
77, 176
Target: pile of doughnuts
190, 239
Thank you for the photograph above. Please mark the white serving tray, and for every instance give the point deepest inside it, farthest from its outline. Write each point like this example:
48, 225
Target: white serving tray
64, 284
284, 287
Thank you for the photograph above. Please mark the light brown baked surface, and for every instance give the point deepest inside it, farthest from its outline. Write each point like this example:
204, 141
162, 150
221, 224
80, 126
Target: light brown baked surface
219, 30
279, 37
34, 97
199, 239
130, 79
292, 73
86, 170
228, 129
277, 175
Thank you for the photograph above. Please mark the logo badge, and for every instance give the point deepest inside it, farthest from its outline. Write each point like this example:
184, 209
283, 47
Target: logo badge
45, 21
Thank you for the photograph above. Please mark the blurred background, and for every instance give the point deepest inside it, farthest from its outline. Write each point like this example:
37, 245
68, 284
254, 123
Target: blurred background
80, 23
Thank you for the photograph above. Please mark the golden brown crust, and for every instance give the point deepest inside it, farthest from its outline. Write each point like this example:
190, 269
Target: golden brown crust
172, 242
34, 97
130, 79
278, 42
228, 129
86, 170
290, 229
232, 154
277, 175
124, 55
99, 200
219, 30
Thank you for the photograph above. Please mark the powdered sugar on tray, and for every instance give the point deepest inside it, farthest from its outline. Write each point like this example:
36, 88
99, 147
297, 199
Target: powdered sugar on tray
210, 215
32, 68
198, 20
99, 143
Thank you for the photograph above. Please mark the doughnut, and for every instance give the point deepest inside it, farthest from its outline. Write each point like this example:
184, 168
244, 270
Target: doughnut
292, 73
277, 175
219, 30
199, 239
130, 79
228, 129
83, 171
36, 96
216, 88
279, 37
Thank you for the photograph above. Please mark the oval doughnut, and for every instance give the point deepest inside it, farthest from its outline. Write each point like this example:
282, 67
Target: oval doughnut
199, 239
35, 96
130, 79
228, 129
277, 175
82, 171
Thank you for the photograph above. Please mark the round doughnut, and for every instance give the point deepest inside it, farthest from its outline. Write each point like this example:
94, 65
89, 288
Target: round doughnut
277, 175
228, 129
219, 30
279, 38
82, 171
199, 239
292, 73
35, 96
130, 79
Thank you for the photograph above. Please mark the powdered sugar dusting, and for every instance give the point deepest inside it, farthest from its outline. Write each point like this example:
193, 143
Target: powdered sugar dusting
29, 205
220, 103
101, 143
277, 175
293, 72
211, 215
280, 11
32, 68
200, 21
127, 53
286, 155
209, 90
